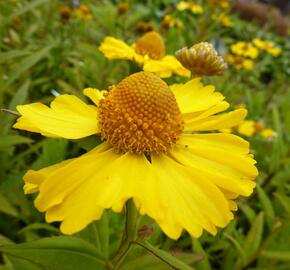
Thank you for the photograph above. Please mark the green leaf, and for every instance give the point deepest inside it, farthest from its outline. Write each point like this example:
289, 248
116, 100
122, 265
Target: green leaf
6, 56
20, 96
164, 256
284, 200
30, 6
98, 234
39, 226
6, 207
197, 247
266, 204
276, 255
57, 253
10, 140
26, 63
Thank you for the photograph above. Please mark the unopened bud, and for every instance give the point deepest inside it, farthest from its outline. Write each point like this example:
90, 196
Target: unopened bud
202, 59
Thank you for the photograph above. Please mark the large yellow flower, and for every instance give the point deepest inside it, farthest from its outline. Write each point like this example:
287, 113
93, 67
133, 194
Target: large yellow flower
161, 148
149, 52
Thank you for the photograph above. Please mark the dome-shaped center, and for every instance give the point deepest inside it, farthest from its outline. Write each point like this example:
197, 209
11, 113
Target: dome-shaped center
151, 44
140, 115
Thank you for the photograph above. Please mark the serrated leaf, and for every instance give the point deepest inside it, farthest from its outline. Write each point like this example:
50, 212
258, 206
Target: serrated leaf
166, 257
57, 253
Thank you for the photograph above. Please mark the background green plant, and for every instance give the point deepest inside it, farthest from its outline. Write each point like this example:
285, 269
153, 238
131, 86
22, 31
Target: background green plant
41, 54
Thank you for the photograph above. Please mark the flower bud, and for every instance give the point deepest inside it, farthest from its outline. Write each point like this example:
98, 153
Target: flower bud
202, 59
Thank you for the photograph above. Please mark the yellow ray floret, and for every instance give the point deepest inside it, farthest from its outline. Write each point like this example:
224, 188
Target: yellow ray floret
153, 153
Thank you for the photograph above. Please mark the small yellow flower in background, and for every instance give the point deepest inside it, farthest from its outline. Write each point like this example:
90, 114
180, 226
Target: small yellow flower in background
202, 59
225, 4
195, 9
250, 128
267, 46
161, 148
83, 13
148, 51
245, 49
240, 62
223, 19
122, 8
169, 21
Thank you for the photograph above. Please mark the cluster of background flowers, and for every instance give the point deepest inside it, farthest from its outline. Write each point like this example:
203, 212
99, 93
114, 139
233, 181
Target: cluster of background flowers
244, 54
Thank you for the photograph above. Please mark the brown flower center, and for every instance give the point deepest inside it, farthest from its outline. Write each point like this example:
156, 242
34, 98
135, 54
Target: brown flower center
140, 115
151, 44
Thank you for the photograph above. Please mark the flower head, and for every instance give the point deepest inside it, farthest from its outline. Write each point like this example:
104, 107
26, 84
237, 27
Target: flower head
240, 62
171, 22
267, 46
245, 49
156, 151
122, 8
148, 51
202, 59
223, 19
83, 13
195, 8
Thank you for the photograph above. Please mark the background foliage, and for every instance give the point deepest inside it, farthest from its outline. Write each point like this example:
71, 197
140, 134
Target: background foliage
43, 53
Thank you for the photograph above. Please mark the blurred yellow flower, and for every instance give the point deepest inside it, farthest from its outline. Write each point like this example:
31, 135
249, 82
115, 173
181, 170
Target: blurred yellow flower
65, 12
245, 49
169, 21
195, 9
145, 26
268, 46
161, 148
240, 62
250, 128
223, 19
225, 4
83, 13
122, 8
149, 52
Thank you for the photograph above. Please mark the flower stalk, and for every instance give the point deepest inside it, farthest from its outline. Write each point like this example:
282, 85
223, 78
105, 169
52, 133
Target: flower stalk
129, 235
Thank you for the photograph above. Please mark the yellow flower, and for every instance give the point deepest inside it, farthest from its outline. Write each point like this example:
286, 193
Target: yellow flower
161, 148
268, 133
240, 62
225, 4
195, 9
170, 22
122, 8
65, 12
247, 128
83, 13
245, 49
267, 46
149, 52
223, 19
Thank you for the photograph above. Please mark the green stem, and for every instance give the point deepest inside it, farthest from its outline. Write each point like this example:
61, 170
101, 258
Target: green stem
129, 235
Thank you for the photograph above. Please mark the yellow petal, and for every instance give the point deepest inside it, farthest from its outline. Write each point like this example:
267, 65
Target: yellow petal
192, 202
165, 67
33, 179
94, 94
114, 48
194, 97
67, 117
217, 122
222, 158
